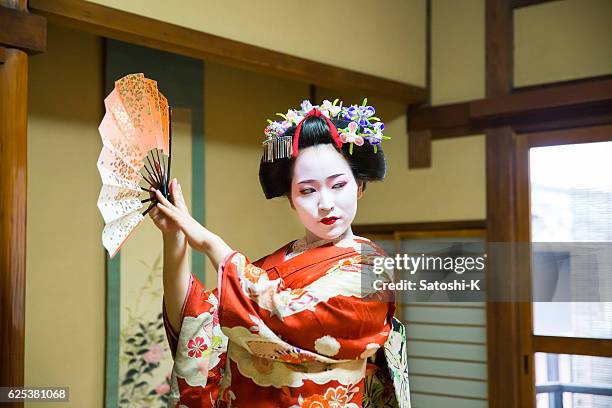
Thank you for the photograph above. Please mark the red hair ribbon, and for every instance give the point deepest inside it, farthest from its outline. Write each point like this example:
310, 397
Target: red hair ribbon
332, 129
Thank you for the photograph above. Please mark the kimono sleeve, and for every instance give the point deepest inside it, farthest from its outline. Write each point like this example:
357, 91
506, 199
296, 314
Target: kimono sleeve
198, 350
332, 316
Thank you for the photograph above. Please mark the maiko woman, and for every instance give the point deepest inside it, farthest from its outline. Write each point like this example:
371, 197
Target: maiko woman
297, 328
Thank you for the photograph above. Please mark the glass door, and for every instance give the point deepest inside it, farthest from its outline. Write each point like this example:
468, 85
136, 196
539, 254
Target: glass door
569, 319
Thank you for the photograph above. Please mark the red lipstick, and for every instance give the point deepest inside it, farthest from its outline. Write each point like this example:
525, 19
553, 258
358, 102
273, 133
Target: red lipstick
329, 220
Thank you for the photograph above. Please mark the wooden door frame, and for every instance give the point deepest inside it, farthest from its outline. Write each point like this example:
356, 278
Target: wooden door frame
531, 343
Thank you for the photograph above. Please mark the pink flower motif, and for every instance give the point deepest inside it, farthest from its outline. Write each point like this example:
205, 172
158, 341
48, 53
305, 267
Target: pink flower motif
294, 116
162, 388
329, 110
196, 347
349, 135
154, 355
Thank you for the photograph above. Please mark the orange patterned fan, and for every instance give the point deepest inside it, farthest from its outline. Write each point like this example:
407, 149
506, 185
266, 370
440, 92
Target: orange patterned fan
136, 135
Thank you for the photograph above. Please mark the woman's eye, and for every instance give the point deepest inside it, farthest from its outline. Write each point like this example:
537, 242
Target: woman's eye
307, 190
339, 185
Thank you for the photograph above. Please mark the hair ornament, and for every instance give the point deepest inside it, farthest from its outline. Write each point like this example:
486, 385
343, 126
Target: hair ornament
363, 126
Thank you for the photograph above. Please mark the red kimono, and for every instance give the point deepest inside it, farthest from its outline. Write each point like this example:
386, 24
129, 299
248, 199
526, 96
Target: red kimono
283, 333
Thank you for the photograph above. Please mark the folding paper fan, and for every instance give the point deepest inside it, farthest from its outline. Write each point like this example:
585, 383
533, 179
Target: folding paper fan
136, 136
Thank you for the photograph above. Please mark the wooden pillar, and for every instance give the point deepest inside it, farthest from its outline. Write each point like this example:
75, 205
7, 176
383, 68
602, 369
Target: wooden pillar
419, 149
503, 352
22, 33
419, 142
13, 187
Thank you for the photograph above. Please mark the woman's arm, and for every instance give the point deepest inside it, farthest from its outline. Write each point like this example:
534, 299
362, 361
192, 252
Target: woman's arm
198, 237
176, 276
179, 229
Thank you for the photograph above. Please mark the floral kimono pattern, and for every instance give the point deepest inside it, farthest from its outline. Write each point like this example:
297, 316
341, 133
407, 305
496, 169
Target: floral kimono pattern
302, 332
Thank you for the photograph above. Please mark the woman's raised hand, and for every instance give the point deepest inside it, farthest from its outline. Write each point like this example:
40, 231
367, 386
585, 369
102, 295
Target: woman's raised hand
172, 218
165, 223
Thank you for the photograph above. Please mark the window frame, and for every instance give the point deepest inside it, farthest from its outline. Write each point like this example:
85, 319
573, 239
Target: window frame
420, 230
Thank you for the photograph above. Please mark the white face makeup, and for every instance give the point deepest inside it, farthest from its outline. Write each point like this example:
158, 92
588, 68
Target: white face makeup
323, 192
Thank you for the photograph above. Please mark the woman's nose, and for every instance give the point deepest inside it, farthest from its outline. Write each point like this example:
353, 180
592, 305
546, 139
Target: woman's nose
325, 202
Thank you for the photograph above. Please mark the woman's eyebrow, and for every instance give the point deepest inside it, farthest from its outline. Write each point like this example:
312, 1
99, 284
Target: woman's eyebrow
307, 181
315, 181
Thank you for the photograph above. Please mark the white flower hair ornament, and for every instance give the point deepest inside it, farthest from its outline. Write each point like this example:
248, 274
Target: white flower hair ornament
363, 126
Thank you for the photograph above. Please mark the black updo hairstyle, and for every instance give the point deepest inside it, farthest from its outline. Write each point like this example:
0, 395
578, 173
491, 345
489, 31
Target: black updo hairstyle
275, 177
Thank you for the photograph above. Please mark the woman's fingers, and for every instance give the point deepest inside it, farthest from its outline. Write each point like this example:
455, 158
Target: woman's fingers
180, 199
177, 196
162, 199
173, 192
156, 215
169, 212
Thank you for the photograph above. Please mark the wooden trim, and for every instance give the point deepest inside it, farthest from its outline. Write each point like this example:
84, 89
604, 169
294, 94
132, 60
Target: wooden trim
449, 306
124, 26
528, 344
443, 121
499, 48
380, 236
565, 82
568, 104
526, 3
428, 29
464, 342
569, 136
312, 93
550, 97
523, 271
445, 324
470, 233
420, 226
419, 149
13, 195
503, 346
23, 30
573, 345
447, 377
439, 394
455, 360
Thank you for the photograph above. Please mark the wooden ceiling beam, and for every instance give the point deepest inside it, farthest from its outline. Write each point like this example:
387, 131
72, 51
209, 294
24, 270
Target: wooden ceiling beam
562, 96
526, 3
553, 106
136, 29
22, 30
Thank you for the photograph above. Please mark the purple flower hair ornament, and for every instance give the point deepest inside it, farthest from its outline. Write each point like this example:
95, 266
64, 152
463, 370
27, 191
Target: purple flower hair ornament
363, 125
